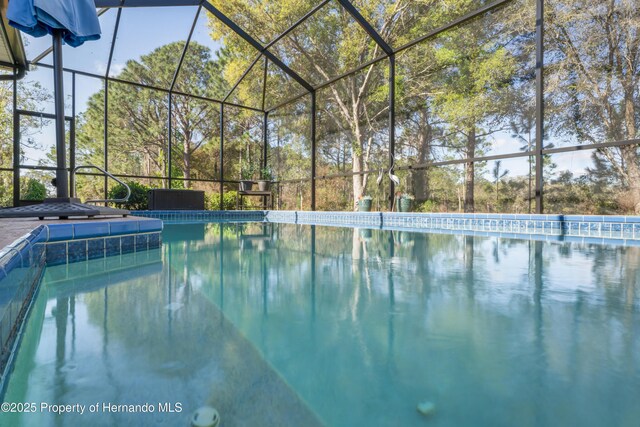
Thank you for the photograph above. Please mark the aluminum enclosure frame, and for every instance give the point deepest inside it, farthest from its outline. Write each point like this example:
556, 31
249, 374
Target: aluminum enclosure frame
264, 53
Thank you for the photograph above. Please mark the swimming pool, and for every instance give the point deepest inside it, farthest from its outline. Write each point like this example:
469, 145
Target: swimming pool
282, 324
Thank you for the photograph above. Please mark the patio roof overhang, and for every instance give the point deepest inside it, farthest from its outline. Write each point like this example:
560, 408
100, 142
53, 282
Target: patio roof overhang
12, 54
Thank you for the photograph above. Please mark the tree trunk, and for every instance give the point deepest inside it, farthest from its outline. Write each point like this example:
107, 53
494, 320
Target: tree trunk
358, 187
629, 153
420, 178
186, 157
469, 170
357, 161
630, 159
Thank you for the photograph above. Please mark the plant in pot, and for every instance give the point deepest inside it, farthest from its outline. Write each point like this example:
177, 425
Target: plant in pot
364, 203
404, 202
264, 184
246, 176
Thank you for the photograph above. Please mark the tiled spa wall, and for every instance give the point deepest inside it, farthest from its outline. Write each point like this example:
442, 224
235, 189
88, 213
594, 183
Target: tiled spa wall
22, 262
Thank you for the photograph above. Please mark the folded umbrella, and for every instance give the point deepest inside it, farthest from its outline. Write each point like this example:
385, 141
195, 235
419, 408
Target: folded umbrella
76, 20
71, 21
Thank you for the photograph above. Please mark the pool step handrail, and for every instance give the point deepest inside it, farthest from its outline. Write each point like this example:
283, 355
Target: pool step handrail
104, 172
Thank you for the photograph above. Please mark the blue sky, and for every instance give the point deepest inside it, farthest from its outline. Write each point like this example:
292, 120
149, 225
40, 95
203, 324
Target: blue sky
144, 29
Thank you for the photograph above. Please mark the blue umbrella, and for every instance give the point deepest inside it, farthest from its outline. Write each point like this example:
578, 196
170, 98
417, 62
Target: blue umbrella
73, 21
76, 20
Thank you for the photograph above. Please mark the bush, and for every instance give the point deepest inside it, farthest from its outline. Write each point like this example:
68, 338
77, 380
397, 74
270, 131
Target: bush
33, 190
428, 206
139, 199
212, 201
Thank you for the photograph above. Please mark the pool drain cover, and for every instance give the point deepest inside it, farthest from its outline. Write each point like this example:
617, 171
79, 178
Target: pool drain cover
205, 417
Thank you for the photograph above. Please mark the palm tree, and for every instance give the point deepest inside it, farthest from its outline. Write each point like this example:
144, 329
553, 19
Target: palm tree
497, 176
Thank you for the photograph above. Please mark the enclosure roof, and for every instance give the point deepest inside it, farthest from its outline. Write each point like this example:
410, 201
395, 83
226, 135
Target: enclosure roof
12, 53
280, 56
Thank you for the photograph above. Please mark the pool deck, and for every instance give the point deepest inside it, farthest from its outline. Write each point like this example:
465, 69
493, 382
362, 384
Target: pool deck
14, 228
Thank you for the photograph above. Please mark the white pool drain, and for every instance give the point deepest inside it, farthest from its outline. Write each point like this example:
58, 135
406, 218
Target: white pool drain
426, 407
205, 416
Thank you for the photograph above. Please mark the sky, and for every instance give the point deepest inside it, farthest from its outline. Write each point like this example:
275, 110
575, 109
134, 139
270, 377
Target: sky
144, 29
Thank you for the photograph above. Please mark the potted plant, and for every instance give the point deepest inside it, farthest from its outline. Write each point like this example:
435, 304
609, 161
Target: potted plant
264, 184
246, 176
404, 202
364, 203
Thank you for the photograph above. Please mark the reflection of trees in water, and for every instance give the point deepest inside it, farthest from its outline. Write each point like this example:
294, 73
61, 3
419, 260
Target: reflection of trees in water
308, 291
617, 270
156, 318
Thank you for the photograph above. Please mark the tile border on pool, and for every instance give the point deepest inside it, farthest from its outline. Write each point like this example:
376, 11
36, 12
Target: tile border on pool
603, 229
618, 230
202, 216
22, 262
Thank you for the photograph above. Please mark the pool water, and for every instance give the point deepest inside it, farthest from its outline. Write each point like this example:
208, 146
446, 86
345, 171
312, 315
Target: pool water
279, 324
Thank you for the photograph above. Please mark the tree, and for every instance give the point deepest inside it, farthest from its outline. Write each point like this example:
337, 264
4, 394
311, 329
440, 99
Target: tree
498, 175
593, 76
328, 43
480, 63
31, 97
138, 117
33, 190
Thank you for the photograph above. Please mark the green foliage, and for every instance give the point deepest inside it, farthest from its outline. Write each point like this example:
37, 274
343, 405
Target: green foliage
139, 199
247, 170
266, 174
33, 190
138, 116
212, 201
428, 206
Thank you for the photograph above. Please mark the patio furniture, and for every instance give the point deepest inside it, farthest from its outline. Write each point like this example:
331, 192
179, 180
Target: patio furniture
164, 199
267, 198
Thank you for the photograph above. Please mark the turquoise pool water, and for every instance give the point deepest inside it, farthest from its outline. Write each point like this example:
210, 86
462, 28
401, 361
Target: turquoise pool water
277, 324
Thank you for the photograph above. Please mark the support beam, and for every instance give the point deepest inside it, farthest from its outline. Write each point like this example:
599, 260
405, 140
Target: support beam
184, 51
106, 102
247, 71
392, 125
48, 50
314, 150
16, 146
221, 156
539, 104
456, 22
431, 34
274, 41
169, 141
297, 23
265, 141
105, 131
366, 26
256, 45
264, 82
62, 177
72, 138
145, 86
